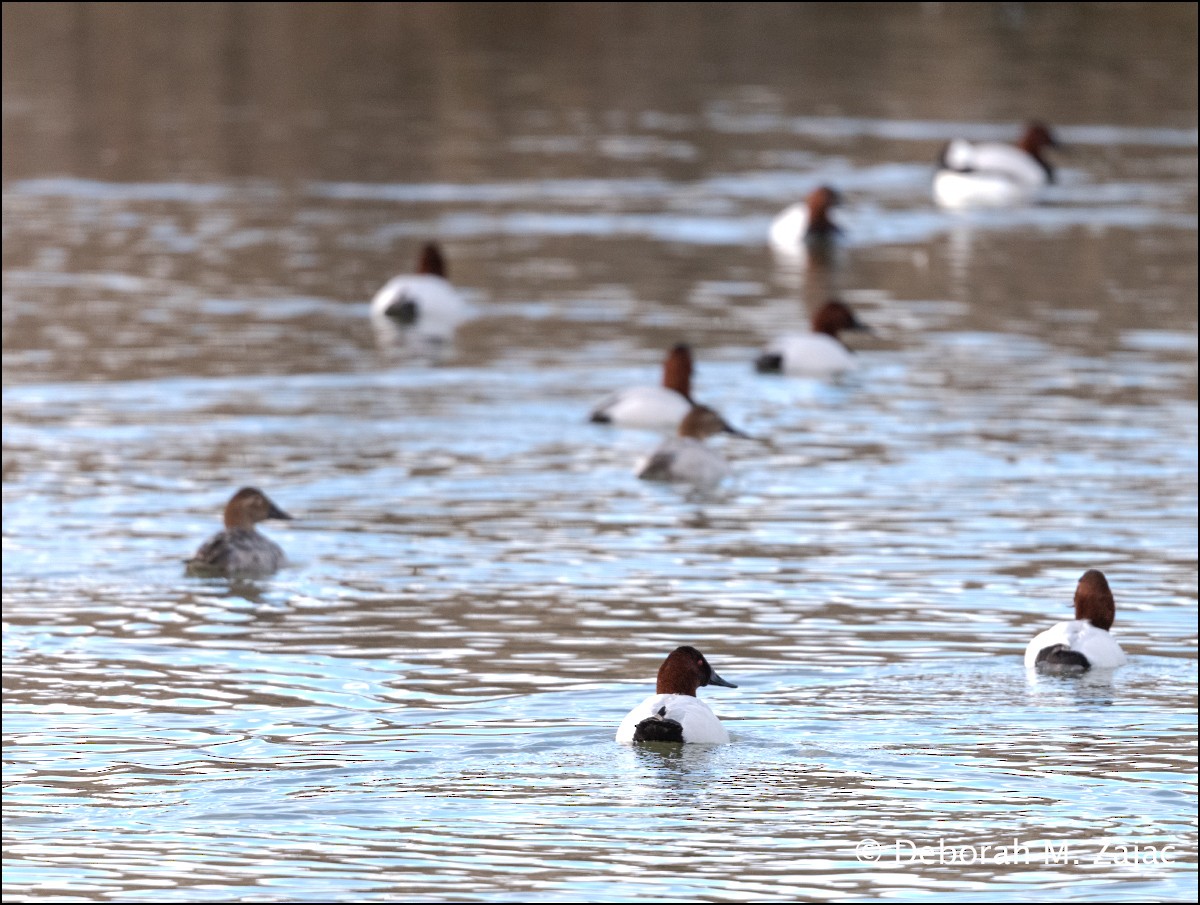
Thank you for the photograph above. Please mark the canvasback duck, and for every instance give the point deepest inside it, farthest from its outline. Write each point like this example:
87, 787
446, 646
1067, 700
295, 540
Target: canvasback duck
424, 300
653, 408
1084, 643
820, 352
674, 713
993, 174
806, 223
685, 458
239, 549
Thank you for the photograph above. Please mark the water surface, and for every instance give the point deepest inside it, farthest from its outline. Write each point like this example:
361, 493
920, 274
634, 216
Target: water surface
199, 203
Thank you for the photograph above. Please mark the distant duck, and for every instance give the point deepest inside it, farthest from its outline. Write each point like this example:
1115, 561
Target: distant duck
685, 458
653, 407
819, 353
992, 174
240, 550
674, 713
1084, 643
424, 301
806, 225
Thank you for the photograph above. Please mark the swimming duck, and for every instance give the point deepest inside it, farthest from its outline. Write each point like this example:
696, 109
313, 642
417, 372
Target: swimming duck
239, 549
425, 300
1084, 643
993, 174
649, 407
685, 458
674, 713
820, 352
806, 223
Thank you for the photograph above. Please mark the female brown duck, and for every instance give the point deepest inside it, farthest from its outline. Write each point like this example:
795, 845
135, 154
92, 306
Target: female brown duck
240, 550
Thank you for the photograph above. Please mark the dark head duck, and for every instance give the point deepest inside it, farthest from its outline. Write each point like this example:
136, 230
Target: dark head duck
674, 713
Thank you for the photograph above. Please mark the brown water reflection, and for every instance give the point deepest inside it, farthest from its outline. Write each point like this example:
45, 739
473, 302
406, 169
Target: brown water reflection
430, 92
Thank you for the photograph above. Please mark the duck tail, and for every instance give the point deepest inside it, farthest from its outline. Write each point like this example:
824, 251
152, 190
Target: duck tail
1059, 658
658, 728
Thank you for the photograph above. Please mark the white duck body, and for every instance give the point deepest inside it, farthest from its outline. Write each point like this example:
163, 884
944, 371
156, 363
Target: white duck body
789, 228
647, 408
1079, 635
954, 190
700, 724
423, 301
994, 174
995, 157
814, 354
820, 352
660, 408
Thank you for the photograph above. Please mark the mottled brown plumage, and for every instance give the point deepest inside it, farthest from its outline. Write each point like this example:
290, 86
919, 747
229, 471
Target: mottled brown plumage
240, 550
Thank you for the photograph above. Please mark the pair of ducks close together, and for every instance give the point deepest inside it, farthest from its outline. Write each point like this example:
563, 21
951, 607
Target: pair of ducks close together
674, 713
685, 458
969, 175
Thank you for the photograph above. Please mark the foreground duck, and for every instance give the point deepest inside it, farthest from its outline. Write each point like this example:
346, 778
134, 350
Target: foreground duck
993, 174
1084, 643
674, 713
425, 300
685, 458
818, 353
240, 550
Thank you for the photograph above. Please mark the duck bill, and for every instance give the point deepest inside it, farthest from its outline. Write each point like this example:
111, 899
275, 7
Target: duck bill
276, 512
714, 679
729, 429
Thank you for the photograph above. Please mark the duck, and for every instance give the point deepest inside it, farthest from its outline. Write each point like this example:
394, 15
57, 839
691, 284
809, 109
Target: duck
240, 550
819, 353
1085, 643
993, 174
684, 458
425, 300
806, 224
653, 407
674, 713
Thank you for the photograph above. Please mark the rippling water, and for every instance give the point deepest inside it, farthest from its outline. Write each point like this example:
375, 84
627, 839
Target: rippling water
422, 705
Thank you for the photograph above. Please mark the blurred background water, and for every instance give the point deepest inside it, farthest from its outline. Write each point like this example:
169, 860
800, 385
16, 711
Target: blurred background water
199, 202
